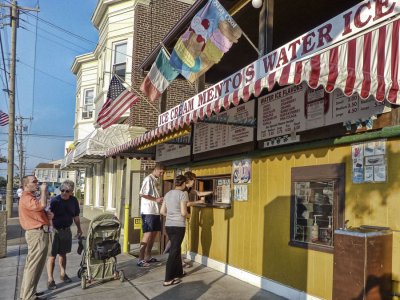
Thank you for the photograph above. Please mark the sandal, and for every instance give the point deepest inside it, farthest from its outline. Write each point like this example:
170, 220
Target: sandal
152, 260
143, 264
172, 282
65, 279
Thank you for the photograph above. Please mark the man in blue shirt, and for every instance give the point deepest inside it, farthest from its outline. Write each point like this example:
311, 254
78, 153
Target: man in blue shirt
65, 208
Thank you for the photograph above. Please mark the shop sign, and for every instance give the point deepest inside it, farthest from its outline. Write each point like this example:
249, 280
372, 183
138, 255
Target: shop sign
343, 26
298, 108
209, 136
137, 223
169, 174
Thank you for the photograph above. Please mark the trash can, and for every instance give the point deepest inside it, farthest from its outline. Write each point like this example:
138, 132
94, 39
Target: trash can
362, 263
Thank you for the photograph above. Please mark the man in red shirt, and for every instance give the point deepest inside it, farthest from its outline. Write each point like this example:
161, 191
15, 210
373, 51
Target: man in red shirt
34, 220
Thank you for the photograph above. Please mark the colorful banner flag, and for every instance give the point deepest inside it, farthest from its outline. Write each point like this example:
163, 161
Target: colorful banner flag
159, 78
119, 100
3, 118
210, 35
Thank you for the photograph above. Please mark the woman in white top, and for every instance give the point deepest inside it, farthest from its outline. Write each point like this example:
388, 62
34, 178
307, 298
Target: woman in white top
174, 208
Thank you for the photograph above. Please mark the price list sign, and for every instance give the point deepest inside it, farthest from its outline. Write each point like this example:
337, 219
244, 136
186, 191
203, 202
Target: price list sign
353, 108
211, 136
299, 108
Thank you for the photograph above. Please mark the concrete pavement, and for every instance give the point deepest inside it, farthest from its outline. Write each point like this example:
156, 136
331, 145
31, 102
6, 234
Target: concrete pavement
141, 283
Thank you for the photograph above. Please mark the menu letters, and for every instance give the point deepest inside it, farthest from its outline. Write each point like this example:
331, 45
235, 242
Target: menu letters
171, 151
210, 136
299, 108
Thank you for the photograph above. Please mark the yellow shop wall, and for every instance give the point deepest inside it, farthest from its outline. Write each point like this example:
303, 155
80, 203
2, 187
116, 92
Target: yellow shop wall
254, 235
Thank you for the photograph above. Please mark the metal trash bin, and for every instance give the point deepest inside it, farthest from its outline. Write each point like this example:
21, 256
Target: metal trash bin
362, 263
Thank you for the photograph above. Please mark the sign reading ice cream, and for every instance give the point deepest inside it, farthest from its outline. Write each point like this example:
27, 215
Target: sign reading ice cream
194, 52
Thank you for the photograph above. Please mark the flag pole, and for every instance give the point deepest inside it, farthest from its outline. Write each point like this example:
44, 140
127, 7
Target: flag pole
251, 43
137, 92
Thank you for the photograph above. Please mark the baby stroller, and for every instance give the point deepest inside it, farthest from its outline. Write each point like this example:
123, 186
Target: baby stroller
99, 261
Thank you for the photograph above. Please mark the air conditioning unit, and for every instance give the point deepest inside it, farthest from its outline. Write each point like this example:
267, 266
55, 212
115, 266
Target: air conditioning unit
87, 114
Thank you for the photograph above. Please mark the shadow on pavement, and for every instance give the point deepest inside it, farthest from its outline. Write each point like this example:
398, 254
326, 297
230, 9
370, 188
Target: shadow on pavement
184, 290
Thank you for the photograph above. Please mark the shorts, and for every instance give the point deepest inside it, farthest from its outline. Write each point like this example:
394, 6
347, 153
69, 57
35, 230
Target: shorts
151, 223
61, 241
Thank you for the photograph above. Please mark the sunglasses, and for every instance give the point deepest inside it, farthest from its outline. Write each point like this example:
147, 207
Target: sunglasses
65, 191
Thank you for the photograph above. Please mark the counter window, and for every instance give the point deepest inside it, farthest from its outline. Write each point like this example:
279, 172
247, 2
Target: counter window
221, 188
317, 205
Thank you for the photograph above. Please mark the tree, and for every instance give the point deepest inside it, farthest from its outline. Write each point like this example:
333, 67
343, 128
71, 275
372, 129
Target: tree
3, 182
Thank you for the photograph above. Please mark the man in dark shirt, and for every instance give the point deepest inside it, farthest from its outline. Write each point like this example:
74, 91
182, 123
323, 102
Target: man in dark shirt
65, 208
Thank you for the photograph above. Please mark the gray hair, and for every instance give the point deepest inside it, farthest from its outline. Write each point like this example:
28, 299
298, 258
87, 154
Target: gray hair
68, 184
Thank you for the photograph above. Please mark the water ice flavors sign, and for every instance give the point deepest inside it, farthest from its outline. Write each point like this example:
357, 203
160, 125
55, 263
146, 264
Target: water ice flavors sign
299, 108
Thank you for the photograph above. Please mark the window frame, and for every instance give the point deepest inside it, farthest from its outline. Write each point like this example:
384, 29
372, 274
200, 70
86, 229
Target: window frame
85, 105
116, 64
328, 172
199, 186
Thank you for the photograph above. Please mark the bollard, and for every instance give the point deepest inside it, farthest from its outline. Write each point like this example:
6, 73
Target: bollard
126, 230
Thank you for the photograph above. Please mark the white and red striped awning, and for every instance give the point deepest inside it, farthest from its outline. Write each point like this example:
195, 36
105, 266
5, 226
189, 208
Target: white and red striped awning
367, 64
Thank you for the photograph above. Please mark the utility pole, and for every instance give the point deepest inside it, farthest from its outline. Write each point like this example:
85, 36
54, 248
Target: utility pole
11, 110
21, 129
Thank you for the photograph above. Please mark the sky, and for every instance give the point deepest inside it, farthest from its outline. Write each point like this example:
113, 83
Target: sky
45, 85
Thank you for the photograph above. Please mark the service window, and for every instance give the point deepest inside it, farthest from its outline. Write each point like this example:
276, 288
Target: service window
221, 188
317, 205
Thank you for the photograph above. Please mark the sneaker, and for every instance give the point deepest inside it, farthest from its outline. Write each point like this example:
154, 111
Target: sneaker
51, 285
65, 279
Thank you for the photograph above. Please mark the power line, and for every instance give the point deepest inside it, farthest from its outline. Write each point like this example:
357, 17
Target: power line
61, 29
45, 73
43, 135
52, 34
74, 34
4, 63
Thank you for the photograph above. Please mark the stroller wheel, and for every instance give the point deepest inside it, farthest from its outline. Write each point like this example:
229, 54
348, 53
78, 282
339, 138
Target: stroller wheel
121, 276
79, 273
83, 282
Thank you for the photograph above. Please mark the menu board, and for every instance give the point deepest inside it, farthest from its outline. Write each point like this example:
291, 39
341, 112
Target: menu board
299, 108
166, 152
211, 136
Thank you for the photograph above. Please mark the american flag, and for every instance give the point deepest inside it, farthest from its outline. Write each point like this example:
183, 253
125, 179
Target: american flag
119, 100
3, 118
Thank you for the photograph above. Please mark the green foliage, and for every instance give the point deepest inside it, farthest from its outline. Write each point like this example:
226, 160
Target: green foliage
3, 182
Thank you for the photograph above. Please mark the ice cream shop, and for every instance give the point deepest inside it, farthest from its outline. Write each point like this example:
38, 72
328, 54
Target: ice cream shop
299, 142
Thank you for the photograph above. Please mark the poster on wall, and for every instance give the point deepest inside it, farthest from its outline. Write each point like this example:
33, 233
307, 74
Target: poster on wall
369, 162
240, 192
241, 171
241, 177
294, 109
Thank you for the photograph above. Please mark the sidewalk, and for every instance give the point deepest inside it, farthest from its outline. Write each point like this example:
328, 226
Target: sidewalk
141, 283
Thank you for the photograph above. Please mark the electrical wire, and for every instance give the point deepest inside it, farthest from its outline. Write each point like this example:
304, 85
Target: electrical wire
43, 72
4, 64
55, 42
74, 34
